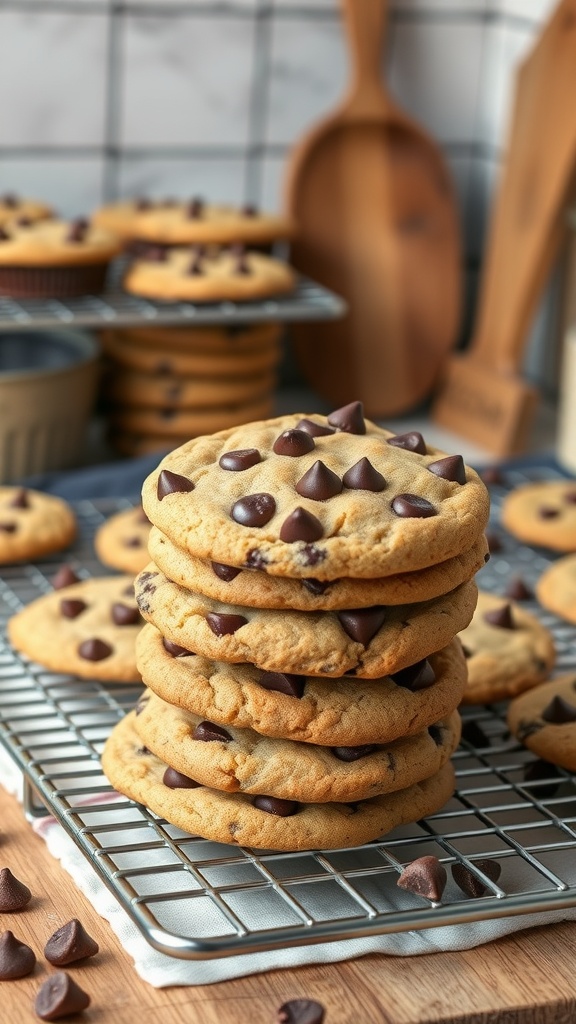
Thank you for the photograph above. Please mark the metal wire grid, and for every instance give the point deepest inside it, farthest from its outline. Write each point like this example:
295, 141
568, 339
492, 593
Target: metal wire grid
196, 899
310, 301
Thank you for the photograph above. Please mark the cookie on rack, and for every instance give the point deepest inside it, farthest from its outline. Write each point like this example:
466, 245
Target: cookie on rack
241, 760
364, 642
261, 821
122, 541
259, 590
317, 496
14, 207
508, 651
178, 393
87, 629
330, 712
33, 524
232, 339
173, 422
544, 720
182, 275
543, 513
556, 588
124, 350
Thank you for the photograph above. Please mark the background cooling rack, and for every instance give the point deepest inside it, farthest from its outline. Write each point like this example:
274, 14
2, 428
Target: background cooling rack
193, 898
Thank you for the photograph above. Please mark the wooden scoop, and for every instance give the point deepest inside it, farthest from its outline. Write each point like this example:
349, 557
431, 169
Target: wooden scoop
377, 223
483, 397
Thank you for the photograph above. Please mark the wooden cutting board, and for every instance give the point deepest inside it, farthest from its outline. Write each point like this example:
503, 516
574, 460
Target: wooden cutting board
377, 223
484, 397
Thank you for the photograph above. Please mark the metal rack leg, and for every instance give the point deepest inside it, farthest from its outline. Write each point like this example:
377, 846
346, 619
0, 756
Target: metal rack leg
34, 807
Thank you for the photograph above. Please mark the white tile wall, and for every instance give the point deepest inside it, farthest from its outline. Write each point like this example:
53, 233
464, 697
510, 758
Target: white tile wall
100, 98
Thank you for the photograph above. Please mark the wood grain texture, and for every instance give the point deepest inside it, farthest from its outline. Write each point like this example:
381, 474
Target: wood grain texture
528, 979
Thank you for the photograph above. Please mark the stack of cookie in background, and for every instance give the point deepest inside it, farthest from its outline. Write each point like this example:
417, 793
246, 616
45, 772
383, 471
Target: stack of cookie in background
309, 577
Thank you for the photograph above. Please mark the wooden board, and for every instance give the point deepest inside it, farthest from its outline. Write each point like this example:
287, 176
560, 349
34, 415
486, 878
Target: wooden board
523, 979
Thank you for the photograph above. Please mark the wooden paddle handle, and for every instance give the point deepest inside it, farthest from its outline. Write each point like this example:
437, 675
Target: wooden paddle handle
365, 21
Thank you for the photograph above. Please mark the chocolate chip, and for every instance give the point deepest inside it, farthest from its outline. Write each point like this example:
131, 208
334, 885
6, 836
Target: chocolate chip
451, 468
474, 734
526, 729
71, 608
570, 497
500, 617
363, 477
467, 881
412, 506
175, 649
142, 751
319, 483
411, 442
77, 230
11, 200
141, 704
425, 876
172, 483
314, 429
273, 805
237, 461
24, 222
293, 443
316, 587
548, 513
20, 499
242, 266
301, 1011
311, 555
256, 559
8, 527
283, 682
349, 418
176, 780
253, 509
559, 711
155, 254
94, 650
537, 770
207, 732
64, 577
249, 210
436, 734
466, 651
194, 209
223, 625
69, 943
16, 958
416, 677
60, 996
124, 615
14, 895
493, 541
362, 624
142, 203
492, 475
132, 542
353, 753
225, 572
301, 525
4, 236
517, 590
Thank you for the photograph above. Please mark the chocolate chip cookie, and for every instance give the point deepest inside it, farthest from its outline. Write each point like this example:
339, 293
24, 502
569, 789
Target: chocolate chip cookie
322, 497
330, 712
173, 422
123, 349
556, 588
261, 821
87, 629
33, 524
544, 720
543, 513
171, 393
508, 651
364, 642
122, 541
241, 760
259, 590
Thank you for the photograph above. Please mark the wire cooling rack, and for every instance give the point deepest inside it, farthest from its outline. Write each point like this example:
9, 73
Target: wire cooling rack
197, 899
310, 301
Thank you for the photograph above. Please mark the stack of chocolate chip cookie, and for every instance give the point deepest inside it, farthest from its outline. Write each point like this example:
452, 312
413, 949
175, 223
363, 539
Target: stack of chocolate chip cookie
309, 576
167, 384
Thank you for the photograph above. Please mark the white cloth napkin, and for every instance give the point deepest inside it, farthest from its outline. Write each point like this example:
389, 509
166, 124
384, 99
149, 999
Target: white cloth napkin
161, 970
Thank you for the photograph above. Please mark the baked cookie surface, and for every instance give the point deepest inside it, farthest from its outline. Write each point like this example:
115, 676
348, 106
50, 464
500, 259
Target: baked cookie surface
284, 825
87, 629
508, 649
317, 497
364, 642
543, 513
129, 353
121, 542
33, 524
544, 720
173, 422
162, 392
556, 588
259, 590
195, 221
241, 760
180, 276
